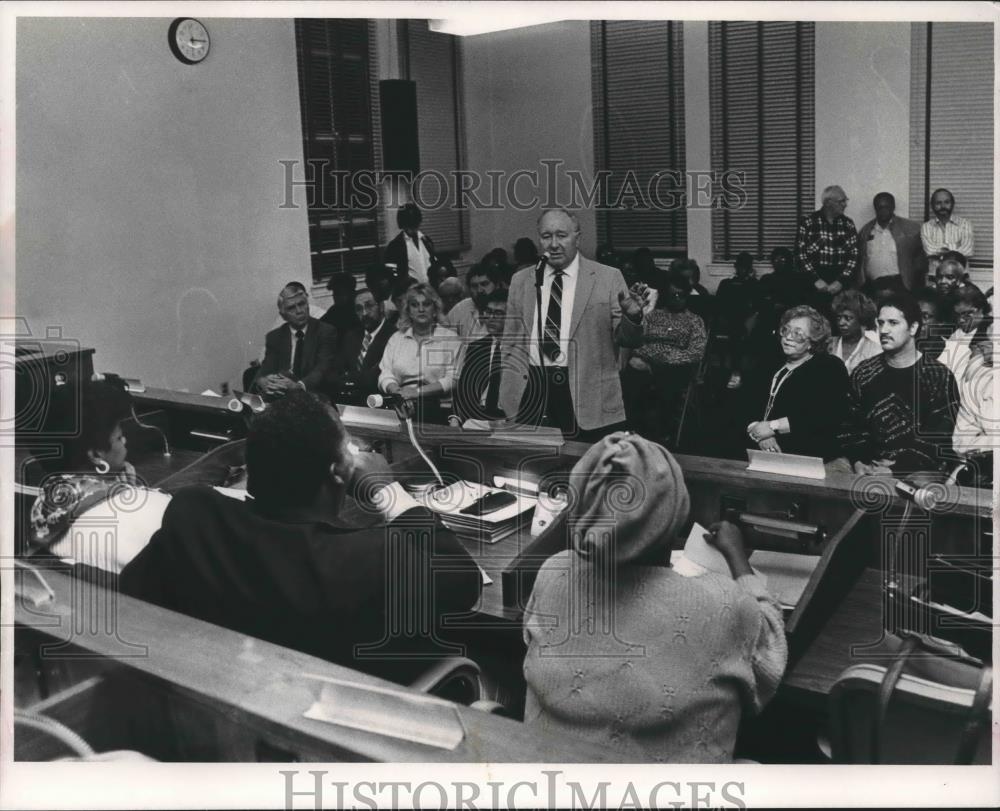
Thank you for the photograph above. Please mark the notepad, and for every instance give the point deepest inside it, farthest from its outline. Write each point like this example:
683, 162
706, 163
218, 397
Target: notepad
786, 464
787, 574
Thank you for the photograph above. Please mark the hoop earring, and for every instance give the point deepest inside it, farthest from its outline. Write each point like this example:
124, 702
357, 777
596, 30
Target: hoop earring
102, 467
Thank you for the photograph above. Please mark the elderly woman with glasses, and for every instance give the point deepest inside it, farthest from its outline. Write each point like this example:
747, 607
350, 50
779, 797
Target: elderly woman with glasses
801, 408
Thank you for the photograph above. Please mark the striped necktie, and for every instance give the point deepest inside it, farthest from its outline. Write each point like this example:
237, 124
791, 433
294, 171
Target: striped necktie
553, 318
365, 344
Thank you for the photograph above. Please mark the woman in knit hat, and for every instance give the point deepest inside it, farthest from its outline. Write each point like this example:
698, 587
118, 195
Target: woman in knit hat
626, 652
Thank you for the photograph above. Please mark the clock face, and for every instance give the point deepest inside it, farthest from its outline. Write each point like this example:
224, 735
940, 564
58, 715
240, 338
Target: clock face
189, 40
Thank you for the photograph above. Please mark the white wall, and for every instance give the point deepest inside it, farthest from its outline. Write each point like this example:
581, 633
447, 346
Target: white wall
148, 192
528, 98
863, 113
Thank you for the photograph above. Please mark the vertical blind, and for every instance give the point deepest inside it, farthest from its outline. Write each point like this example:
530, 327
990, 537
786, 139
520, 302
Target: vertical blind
434, 61
762, 101
952, 147
339, 132
637, 70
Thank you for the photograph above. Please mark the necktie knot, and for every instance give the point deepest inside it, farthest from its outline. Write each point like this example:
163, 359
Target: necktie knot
299, 335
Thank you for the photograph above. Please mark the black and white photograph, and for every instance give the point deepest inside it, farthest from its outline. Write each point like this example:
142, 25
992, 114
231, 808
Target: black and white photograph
497, 405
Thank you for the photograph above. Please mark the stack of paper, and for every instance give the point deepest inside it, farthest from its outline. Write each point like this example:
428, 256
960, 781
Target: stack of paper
492, 527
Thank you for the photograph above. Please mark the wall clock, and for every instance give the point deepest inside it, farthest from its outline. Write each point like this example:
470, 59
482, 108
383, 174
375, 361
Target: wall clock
188, 40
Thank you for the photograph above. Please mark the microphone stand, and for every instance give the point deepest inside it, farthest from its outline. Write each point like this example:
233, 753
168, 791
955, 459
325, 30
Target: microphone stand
539, 276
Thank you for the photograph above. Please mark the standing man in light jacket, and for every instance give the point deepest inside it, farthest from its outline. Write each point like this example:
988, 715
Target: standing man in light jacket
566, 369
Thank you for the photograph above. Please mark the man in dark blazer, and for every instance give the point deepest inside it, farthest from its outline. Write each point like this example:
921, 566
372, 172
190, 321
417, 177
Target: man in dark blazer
477, 394
410, 251
288, 565
362, 348
300, 354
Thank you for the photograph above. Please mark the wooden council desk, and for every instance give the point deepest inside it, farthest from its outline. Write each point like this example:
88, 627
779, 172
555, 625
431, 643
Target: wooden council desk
851, 624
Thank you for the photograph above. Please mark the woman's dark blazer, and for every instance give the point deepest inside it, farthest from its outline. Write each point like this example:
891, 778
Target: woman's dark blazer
814, 398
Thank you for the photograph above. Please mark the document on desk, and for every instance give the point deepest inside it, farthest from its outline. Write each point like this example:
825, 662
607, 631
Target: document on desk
787, 574
490, 527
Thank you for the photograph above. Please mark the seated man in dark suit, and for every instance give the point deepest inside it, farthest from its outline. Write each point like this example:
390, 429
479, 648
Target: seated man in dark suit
286, 566
362, 348
300, 354
477, 394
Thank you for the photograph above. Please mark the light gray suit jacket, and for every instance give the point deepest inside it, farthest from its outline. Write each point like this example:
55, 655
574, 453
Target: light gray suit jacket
597, 330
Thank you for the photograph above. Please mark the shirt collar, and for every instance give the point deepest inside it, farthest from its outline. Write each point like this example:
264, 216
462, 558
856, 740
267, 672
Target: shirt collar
408, 333
304, 328
375, 331
571, 270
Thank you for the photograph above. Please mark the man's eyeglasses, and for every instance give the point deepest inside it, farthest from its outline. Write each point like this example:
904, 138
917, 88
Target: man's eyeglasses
796, 335
488, 313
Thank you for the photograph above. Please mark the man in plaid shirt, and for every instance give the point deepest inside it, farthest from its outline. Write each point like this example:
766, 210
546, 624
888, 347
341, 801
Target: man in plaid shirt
827, 246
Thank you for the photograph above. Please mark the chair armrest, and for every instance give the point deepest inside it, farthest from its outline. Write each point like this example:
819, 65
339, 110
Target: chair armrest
456, 678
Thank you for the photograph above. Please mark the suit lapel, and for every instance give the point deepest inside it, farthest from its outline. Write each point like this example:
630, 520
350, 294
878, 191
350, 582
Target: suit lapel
584, 287
310, 344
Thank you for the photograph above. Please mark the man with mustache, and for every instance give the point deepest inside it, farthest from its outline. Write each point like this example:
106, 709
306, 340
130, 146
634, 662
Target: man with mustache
945, 232
903, 404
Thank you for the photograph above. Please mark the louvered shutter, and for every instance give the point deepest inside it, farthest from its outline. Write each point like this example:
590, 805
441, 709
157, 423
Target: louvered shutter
433, 61
338, 109
959, 153
762, 101
638, 94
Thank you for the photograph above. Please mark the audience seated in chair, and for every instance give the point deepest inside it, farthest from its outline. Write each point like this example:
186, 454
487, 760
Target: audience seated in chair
362, 349
802, 406
420, 359
341, 315
700, 301
903, 404
978, 422
970, 315
301, 354
854, 317
934, 326
287, 566
89, 476
736, 305
464, 317
659, 372
477, 392
626, 653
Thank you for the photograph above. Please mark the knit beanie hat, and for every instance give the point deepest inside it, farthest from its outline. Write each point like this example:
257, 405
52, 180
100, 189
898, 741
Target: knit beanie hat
630, 500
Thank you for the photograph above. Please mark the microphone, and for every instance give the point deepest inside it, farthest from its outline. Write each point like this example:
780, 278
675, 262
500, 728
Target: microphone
540, 269
393, 401
926, 497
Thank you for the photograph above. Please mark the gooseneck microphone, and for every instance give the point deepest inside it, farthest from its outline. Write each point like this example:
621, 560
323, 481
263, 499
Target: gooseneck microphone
540, 269
398, 404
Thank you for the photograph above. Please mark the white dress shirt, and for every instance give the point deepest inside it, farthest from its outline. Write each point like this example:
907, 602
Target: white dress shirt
867, 347
417, 257
570, 275
881, 248
432, 360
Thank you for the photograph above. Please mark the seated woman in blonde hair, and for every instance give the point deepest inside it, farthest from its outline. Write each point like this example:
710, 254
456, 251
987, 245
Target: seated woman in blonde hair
624, 651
